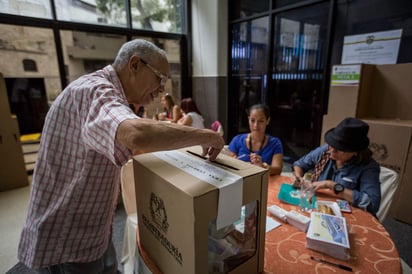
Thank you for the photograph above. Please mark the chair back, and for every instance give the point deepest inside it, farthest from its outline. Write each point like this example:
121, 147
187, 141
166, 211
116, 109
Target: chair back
217, 126
389, 183
128, 189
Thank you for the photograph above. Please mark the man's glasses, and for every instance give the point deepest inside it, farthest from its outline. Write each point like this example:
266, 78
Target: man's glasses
163, 78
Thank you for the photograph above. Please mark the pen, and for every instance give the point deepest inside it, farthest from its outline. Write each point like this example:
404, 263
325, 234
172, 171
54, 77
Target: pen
347, 268
243, 155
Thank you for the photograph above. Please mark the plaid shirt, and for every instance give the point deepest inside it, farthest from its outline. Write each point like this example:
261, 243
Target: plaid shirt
76, 179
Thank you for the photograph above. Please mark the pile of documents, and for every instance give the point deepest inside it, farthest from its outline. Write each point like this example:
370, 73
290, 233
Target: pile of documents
328, 234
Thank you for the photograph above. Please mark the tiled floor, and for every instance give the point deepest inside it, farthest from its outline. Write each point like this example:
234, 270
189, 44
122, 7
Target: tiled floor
13, 208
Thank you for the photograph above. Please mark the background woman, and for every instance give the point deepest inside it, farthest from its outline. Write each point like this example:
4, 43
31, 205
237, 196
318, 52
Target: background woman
257, 147
192, 116
172, 112
345, 165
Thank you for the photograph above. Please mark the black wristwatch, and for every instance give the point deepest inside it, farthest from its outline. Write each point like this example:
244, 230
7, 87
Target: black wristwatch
338, 188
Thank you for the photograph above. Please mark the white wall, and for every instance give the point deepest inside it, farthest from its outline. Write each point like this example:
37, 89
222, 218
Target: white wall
209, 37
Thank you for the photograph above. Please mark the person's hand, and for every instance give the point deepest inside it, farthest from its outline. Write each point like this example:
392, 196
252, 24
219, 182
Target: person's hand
256, 159
161, 117
328, 184
214, 146
296, 181
181, 120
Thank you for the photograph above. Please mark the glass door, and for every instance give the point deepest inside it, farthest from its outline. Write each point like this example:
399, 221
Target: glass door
296, 94
249, 71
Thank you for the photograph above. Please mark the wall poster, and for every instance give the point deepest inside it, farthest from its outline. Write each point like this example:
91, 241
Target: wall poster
372, 48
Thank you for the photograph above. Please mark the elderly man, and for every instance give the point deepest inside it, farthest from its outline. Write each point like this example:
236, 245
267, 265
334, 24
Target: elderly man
89, 133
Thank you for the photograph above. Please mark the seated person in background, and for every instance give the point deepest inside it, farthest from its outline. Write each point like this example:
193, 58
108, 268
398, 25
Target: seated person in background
172, 112
192, 116
139, 110
257, 147
345, 165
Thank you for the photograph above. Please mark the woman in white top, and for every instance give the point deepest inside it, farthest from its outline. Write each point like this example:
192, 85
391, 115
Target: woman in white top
192, 116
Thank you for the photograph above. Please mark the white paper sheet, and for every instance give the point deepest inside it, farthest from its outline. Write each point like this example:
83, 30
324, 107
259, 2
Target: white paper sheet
271, 224
372, 48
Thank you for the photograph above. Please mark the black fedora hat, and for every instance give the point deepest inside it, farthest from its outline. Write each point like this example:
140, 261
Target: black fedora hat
349, 135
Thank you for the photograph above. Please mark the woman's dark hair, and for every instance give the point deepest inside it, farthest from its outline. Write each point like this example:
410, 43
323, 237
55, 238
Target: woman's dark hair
363, 156
169, 100
263, 107
189, 105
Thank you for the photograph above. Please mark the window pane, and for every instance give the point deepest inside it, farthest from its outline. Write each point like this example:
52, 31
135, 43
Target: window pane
281, 3
249, 55
173, 85
30, 92
298, 64
34, 8
249, 46
107, 12
158, 15
245, 8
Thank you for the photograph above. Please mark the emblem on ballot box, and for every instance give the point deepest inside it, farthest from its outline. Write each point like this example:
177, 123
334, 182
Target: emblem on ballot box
158, 212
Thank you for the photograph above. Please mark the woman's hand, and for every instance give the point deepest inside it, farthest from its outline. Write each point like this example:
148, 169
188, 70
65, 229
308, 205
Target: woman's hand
328, 184
297, 181
297, 175
256, 159
161, 117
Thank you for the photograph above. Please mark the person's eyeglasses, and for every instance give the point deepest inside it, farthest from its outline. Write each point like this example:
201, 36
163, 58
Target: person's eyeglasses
163, 78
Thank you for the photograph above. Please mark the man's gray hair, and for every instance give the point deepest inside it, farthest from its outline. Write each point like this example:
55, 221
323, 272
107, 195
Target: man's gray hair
142, 48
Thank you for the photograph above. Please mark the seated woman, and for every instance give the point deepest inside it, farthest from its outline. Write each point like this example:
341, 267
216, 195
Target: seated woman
172, 112
345, 165
192, 116
257, 147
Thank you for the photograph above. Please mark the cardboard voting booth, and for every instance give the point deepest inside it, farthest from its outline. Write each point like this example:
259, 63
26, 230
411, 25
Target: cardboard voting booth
390, 143
13, 170
380, 95
197, 216
369, 91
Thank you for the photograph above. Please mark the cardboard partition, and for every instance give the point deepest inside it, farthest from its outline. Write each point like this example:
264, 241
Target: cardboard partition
392, 92
4, 99
181, 197
13, 172
351, 98
364, 90
402, 204
390, 142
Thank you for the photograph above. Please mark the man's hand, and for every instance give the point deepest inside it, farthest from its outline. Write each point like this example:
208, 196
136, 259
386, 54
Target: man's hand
213, 148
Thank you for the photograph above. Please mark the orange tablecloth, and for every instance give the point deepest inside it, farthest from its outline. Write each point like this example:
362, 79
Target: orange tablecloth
371, 247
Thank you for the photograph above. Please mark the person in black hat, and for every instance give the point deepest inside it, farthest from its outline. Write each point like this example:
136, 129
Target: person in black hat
344, 165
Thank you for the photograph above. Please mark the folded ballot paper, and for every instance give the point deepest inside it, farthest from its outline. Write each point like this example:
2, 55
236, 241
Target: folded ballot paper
293, 217
298, 220
328, 234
